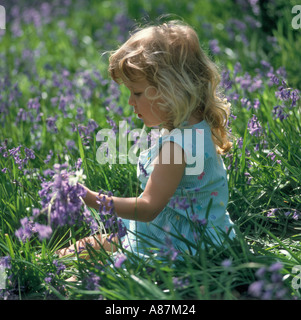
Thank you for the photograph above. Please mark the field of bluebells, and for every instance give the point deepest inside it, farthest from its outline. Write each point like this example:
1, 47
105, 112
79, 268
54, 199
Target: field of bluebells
55, 95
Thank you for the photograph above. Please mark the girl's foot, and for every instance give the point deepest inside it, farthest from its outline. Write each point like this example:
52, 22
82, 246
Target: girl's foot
97, 242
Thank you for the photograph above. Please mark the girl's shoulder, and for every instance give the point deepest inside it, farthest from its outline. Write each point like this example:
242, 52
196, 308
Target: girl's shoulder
186, 132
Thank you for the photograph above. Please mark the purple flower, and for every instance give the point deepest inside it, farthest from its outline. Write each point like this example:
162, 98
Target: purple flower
92, 125
61, 202
256, 288
181, 203
88, 218
26, 230
237, 68
34, 104
282, 72
29, 153
91, 282
272, 155
240, 143
196, 219
247, 174
269, 284
296, 215
294, 97
227, 263
254, 127
22, 116
180, 283
279, 112
60, 267
119, 260
17, 155
80, 114
226, 82
214, 47
168, 250
5, 262
271, 213
51, 124
62, 197
43, 231
273, 80
70, 144
141, 168
245, 81
277, 266
121, 229
284, 93
256, 104
109, 217
49, 277
48, 157
261, 272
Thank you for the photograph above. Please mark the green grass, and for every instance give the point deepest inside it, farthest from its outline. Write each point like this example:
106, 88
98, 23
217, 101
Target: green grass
62, 59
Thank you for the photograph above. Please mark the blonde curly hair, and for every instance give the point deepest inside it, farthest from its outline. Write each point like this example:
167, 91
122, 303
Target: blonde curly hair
170, 58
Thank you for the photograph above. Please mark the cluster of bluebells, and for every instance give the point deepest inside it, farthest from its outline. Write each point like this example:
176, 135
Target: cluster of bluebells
180, 202
180, 283
183, 203
287, 96
91, 281
20, 158
239, 86
266, 75
61, 202
65, 91
60, 267
292, 213
285, 93
29, 227
254, 127
85, 131
269, 284
168, 250
60, 197
112, 224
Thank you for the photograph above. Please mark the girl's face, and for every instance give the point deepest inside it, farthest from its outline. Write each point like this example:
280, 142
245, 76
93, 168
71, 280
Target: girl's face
148, 110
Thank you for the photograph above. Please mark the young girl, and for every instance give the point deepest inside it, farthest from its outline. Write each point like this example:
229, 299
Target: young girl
172, 84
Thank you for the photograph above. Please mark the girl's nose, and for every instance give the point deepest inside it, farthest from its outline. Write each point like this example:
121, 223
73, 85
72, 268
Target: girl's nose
131, 100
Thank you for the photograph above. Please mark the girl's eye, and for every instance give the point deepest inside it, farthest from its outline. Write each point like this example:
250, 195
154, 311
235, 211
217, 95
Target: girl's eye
137, 94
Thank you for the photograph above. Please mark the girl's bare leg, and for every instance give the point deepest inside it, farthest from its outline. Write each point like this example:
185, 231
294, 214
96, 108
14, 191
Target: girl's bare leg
96, 241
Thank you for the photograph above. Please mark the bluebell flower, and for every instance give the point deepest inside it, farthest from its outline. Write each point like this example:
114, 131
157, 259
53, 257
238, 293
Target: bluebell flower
91, 281
119, 259
254, 126
269, 284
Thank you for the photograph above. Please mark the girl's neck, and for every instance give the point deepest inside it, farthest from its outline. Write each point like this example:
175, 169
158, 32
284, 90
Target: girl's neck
194, 119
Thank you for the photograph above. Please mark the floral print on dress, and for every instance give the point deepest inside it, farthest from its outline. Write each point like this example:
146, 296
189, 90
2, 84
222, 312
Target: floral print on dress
201, 176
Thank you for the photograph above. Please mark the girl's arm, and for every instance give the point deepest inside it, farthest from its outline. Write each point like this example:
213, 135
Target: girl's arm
160, 187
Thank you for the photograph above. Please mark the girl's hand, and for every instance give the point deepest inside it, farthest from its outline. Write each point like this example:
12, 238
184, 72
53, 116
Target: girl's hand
91, 198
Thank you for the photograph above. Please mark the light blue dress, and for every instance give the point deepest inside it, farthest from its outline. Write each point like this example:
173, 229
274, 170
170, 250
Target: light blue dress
205, 178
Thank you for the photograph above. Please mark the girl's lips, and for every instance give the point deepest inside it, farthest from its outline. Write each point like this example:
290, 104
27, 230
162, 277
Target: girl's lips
139, 115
